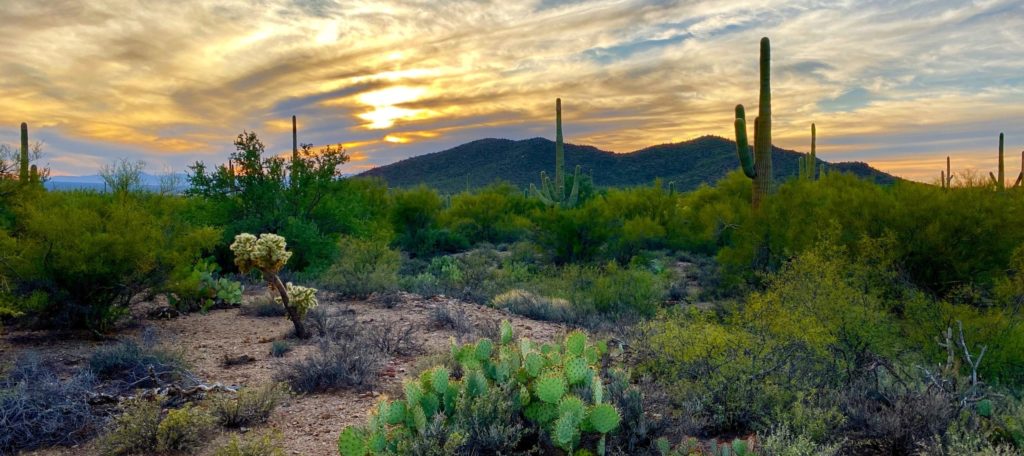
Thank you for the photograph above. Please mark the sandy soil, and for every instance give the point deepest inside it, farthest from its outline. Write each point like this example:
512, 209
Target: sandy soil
310, 424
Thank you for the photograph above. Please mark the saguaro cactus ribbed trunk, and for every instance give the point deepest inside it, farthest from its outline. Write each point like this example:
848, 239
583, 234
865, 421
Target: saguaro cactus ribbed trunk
1000, 181
761, 169
23, 171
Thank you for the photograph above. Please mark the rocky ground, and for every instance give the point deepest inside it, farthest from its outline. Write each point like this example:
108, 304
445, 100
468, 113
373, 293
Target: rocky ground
309, 423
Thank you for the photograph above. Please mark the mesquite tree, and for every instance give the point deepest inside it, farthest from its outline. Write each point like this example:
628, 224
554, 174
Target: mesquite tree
268, 254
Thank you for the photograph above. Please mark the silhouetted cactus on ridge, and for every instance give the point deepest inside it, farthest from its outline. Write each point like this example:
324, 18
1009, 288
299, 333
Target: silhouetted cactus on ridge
552, 193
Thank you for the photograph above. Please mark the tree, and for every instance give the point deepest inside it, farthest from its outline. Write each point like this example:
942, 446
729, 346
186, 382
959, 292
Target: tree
123, 176
260, 193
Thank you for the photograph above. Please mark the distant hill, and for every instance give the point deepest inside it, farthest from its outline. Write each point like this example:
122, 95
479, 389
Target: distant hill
150, 182
689, 164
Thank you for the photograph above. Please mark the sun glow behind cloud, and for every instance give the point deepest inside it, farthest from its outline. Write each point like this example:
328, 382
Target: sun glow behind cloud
175, 82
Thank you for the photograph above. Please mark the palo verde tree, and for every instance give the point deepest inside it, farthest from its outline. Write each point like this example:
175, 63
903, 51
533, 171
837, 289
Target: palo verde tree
259, 192
268, 254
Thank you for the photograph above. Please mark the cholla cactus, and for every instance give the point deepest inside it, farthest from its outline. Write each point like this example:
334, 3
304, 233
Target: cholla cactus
302, 298
268, 254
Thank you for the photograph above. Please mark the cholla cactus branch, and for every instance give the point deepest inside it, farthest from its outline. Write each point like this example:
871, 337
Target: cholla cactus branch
268, 254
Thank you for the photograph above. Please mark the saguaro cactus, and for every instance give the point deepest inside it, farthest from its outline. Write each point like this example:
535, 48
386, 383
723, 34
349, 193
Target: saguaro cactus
1000, 181
758, 167
809, 162
1020, 177
23, 172
553, 193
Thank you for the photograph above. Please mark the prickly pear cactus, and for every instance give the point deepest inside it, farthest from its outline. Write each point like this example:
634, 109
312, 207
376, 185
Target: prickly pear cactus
548, 380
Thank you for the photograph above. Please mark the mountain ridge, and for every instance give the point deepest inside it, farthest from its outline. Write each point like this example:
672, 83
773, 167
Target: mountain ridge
705, 159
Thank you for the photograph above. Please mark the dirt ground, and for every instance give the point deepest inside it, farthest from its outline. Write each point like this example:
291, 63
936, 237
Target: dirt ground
309, 424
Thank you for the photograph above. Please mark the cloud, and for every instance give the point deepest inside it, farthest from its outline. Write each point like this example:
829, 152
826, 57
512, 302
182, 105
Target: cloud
897, 84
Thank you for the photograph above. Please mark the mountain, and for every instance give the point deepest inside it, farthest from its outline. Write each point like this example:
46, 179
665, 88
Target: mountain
150, 182
689, 164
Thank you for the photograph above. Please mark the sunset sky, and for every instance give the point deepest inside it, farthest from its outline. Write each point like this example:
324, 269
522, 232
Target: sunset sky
897, 84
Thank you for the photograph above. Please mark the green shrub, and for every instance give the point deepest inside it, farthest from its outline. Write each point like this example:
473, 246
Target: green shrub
536, 307
185, 429
251, 406
279, 348
134, 431
128, 364
364, 266
493, 214
550, 390
79, 258
268, 444
781, 441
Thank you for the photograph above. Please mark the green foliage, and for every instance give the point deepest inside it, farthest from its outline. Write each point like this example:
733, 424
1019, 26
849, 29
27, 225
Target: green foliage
268, 444
255, 192
496, 213
820, 319
414, 217
134, 431
184, 429
250, 406
77, 258
507, 391
364, 266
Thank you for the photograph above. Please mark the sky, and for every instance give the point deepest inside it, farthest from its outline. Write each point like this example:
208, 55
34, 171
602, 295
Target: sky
897, 84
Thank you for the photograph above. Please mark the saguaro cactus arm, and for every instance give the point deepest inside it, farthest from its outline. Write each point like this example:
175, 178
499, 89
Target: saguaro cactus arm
742, 145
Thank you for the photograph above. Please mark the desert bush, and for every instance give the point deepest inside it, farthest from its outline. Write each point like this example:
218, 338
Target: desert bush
414, 217
536, 307
80, 258
508, 391
268, 444
392, 339
278, 348
38, 408
184, 429
364, 266
445, 316
782, 441
250, 406
129, 364
893, 418
134, 431
263, 306
493, 214
338, 363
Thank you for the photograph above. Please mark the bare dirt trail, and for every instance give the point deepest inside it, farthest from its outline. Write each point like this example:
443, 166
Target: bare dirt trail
309, 424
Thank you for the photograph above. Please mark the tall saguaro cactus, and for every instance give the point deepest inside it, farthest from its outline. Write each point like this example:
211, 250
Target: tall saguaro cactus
809, 162
552, 193
999, 182
1020, 177
23, 171
295, 141
758, 167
